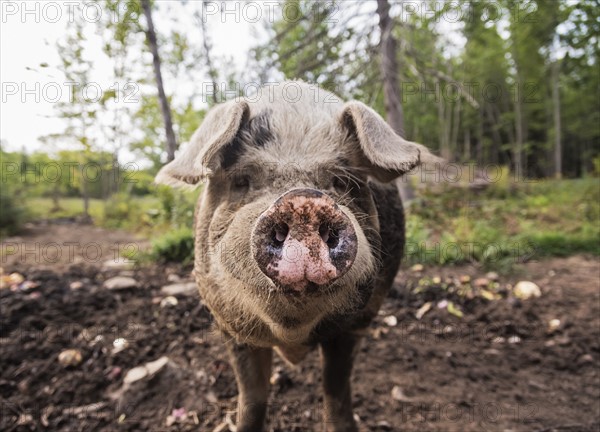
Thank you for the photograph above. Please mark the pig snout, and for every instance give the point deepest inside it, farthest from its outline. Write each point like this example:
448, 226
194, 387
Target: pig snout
304, 240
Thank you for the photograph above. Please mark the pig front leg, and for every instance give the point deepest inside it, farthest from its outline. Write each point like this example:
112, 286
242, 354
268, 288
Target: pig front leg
252, 367
337, 357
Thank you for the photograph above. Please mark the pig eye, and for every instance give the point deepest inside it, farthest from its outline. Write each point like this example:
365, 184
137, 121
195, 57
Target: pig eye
339, 184
241, 182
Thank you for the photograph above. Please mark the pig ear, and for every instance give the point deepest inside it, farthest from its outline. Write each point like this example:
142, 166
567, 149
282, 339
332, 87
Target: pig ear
384, 153
203, 154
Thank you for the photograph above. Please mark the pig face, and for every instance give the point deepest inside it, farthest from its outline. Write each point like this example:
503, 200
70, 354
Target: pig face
287, 221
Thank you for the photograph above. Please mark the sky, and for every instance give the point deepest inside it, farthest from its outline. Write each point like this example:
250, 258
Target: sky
29, 32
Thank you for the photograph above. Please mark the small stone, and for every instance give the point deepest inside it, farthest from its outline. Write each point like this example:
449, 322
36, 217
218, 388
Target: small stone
211, 397
553, 325
187, 288
135, 374
168, 301
280, 378
493, 276
149, 369
120, 282
15, 279
382, 424
70, 357
525, 290
119, 345
391, 320
481, 282
465, 279
173, 278
436, 280
120, 263
156, 365
586, 358
398, 394
417, 268
423, 310
514, 340
76, 285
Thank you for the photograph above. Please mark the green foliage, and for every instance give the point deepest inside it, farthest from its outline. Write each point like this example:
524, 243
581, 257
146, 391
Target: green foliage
174, 246
529, 221
12, 214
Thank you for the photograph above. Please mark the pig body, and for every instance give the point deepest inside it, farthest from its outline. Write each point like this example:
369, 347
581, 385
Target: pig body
299, 233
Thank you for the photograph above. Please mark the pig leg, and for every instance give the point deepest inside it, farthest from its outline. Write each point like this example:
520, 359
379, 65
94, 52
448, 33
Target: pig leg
337, 356
252, 366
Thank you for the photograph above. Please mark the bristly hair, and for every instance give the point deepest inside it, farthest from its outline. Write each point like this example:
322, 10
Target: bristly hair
255, 132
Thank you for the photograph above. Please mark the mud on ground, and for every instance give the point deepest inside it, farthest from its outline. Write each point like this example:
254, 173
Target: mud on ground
501, 367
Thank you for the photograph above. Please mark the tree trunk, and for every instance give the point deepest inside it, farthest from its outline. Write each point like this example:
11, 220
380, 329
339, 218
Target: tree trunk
518, 147
391, 87
557, 125
164, 102
212, 72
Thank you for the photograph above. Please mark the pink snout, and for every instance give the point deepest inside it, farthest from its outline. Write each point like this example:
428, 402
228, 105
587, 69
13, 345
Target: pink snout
304, 241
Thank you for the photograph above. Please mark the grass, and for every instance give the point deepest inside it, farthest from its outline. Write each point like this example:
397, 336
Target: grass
505, 224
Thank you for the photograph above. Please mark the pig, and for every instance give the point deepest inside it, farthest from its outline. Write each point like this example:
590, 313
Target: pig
299, 232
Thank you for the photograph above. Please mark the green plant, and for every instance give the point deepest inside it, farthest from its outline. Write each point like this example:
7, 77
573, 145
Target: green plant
174, 246
11, 214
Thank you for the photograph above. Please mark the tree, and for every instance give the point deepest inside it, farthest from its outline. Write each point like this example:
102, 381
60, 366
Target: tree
164, 102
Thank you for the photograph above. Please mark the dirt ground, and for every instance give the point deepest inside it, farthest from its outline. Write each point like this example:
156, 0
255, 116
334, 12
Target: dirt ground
504, 366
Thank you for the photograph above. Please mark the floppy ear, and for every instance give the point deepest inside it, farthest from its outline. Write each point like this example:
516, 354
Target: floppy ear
384, 153
204, 153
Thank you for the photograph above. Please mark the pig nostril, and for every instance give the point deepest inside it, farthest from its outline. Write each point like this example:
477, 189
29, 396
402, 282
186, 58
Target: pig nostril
279, 234
329, 235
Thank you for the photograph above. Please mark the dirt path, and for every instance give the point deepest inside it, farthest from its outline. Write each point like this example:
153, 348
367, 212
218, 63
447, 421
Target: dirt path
502, 367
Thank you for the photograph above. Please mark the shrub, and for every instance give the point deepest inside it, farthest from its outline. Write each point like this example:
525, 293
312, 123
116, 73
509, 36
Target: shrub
174, 246
11, 214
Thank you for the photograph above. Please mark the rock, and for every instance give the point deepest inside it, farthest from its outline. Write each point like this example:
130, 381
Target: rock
149, 369
120, 282
514, 340
186, 288
384, 425
70, 357
119, 344
391, 320
398, 394
417, 268
436, 280
481, 282
120, 263
76, 285
168, 301
553, 325
156, 365
423, 310
493, 276
281, 379
135, 374
586, 358
464, 279
525, 290
173, 278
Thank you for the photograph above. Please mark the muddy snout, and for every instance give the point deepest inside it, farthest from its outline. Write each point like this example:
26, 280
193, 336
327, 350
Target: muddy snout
304, 241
